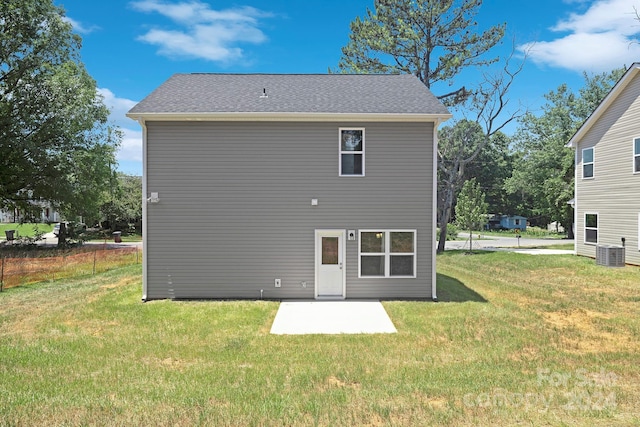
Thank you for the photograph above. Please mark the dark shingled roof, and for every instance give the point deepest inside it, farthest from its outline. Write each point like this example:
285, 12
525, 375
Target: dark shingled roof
291, 93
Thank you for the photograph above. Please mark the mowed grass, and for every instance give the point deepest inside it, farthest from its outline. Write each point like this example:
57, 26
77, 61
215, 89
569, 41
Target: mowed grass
514, 340
25, 230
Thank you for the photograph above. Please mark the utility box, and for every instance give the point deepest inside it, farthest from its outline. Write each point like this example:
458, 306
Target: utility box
610, 255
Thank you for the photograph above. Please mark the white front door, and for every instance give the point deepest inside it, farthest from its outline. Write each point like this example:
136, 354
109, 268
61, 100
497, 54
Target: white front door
330, 257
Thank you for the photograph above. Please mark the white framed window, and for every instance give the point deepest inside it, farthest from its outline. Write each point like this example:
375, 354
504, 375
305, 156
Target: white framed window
387, 253
591, 228
587, 163
351, 152
636, 155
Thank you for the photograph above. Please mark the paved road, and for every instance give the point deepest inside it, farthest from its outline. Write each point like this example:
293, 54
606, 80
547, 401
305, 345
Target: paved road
50, 239
508, 243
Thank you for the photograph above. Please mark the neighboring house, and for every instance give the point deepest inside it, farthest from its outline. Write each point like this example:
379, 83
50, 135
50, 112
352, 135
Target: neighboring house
289, 186
42, 212
507, 222
607, 158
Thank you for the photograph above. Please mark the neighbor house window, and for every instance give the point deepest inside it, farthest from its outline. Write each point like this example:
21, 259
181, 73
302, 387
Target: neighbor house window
636, 155
591, 228
351, 152
587, 163
387, 253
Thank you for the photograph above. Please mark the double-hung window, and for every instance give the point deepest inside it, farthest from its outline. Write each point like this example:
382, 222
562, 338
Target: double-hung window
636, 155
587, 163
591, 228
351, 152
387, 253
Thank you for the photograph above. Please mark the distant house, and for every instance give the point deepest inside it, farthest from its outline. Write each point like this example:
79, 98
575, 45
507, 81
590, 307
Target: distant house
607, 180
507, 222
289, 186
41, 212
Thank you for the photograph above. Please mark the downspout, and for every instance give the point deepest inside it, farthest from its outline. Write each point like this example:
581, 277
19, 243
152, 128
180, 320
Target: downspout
144, 209
575, 200
434, 210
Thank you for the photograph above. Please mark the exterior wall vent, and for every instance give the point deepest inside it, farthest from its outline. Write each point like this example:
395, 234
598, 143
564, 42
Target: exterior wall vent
610, 256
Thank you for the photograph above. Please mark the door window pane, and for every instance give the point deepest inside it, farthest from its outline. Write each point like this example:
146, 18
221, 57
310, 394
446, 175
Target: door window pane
329, 250
372, 265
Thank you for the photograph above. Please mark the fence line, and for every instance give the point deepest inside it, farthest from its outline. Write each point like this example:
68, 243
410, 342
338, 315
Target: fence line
16, 271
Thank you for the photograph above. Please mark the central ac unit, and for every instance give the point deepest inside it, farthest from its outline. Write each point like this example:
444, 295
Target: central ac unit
610, 256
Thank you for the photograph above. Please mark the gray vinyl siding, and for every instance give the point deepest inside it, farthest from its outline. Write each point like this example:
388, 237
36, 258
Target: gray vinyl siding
614, 192
235, 206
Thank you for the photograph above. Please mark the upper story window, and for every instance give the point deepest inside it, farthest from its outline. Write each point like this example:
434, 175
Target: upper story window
351, 152
636, 155
587, 163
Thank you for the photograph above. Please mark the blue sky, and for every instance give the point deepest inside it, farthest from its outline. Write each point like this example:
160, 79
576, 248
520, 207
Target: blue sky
131, 46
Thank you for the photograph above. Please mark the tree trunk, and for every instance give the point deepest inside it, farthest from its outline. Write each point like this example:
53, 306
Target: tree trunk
62, 235
446, 216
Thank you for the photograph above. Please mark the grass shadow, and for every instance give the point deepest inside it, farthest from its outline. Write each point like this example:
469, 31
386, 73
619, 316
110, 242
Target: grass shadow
453, 290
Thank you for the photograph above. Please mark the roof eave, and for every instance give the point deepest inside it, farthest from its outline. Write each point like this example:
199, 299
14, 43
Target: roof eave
291, 117
604, 105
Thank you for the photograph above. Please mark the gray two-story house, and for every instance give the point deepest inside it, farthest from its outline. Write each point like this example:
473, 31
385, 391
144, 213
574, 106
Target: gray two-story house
607, 180
289, 186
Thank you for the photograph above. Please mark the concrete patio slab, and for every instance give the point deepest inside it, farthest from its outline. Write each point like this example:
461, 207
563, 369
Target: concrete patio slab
332, 317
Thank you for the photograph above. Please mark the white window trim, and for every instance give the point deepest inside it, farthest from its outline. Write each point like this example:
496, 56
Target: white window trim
340, 152
584, 227
387, 253
593, 163
633, 158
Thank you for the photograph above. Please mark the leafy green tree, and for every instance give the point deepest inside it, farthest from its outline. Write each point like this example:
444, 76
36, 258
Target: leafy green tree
434, 40
123, 206
471, 208
491, 169
543, 174
55, 140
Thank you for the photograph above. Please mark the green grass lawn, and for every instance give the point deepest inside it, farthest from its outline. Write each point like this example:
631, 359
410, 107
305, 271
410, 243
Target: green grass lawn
515, 340
24, 230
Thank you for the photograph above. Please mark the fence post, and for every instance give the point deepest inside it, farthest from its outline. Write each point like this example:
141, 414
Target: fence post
95, 251
1, 273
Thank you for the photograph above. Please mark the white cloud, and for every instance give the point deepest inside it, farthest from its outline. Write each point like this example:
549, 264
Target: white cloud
204, 33
118, 107
131, 145
79, 27
600, 39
